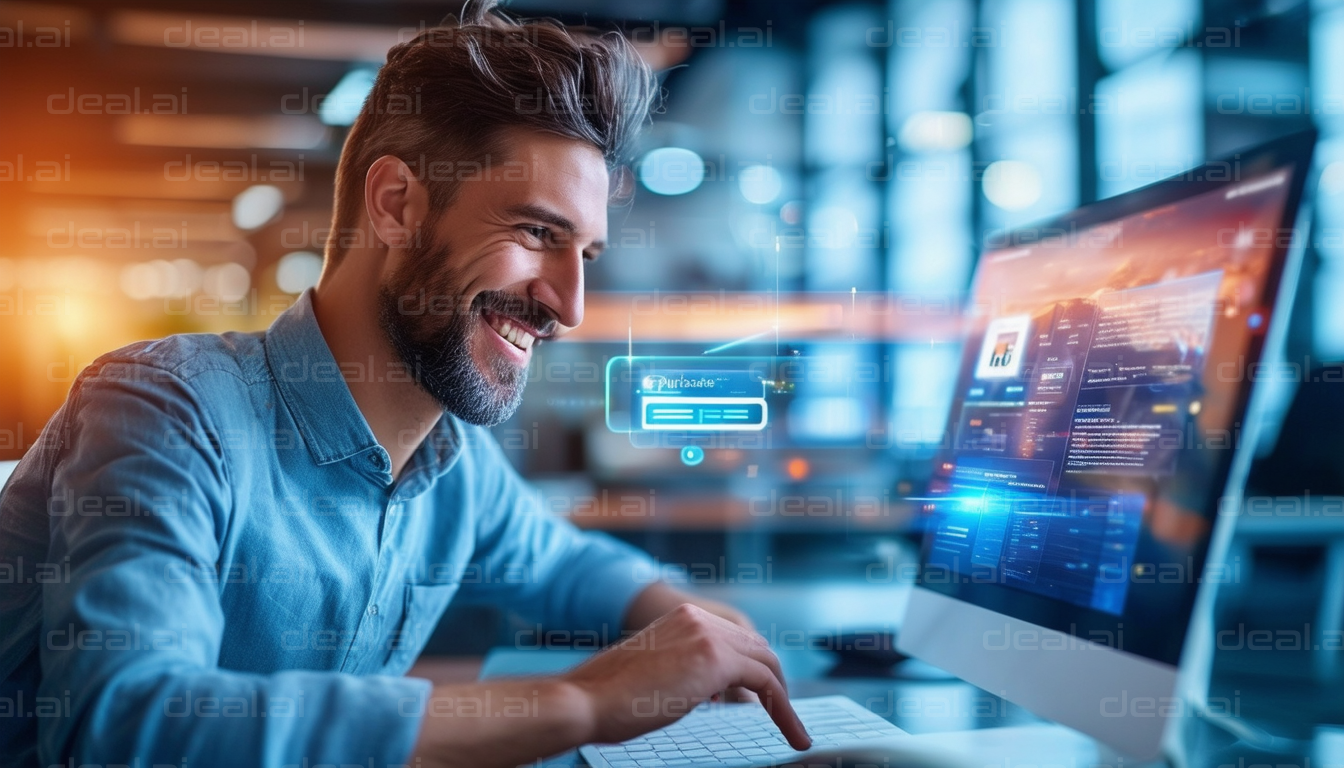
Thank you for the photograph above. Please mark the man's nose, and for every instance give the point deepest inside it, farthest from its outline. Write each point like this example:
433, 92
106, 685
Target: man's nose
560, 289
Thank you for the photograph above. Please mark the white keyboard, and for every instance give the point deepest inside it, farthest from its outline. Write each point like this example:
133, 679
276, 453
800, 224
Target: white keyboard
741, 736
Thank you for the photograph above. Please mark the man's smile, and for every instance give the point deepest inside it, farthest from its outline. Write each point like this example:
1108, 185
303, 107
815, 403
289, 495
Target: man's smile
510, 330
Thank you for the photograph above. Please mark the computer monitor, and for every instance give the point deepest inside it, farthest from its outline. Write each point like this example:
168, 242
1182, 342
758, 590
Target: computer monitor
1099, 422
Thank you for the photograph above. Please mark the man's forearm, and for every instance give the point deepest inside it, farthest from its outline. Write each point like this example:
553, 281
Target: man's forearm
503, 723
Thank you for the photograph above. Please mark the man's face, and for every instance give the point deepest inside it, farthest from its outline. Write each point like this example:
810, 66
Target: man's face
501, 270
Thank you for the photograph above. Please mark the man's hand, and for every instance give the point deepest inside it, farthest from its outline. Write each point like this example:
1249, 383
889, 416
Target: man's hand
659, 599
644, 682
679, 661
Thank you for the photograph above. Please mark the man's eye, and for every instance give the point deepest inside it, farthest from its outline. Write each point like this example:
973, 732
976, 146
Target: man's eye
541, 233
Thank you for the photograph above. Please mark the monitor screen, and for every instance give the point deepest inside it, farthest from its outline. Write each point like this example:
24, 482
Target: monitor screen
1101, 394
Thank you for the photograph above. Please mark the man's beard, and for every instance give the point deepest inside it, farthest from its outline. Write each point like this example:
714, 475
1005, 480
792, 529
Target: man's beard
420, 309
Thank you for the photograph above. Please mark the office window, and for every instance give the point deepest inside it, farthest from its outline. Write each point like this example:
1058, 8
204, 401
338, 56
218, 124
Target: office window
1327, 81
1131, 30
924, 387
1026, 131
928, 158
842, 136
930, 188
1149, 122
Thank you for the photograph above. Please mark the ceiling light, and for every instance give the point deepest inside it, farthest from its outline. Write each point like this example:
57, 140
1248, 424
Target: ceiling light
266, 37
257, 206
760, 184
298, 271
222, 131
227, 282
932, 131
671, 171
1012, 184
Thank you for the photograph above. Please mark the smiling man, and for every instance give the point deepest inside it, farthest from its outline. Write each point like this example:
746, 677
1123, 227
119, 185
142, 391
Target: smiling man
247, 538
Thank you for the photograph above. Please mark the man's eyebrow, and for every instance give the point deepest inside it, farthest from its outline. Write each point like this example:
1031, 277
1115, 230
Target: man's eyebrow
533, 211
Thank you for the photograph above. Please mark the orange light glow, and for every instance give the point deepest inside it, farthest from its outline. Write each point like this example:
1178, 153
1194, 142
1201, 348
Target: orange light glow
798, 468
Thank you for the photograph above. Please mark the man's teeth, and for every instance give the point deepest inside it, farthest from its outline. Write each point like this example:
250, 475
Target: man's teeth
515, 335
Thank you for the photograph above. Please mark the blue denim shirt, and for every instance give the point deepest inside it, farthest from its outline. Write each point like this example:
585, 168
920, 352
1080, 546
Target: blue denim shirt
206, 560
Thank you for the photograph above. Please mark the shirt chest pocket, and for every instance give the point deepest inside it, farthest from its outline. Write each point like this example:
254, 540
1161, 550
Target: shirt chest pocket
422, 606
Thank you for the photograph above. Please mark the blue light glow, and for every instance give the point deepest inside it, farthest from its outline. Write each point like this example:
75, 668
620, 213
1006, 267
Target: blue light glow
342, 105
692, 455
671, 171
760, 184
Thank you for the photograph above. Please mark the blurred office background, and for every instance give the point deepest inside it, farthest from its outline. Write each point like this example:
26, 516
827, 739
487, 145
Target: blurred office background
166, 166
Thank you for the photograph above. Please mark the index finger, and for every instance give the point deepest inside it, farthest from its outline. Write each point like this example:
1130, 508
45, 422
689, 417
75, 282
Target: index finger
758, 678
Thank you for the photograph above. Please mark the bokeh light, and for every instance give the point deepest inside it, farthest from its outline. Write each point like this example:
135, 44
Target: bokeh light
671, 171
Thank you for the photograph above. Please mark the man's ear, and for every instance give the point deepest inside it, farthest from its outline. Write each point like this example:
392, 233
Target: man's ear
396, 202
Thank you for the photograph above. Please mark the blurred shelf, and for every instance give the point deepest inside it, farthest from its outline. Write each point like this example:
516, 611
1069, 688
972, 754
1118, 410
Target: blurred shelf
725, 316
612, 509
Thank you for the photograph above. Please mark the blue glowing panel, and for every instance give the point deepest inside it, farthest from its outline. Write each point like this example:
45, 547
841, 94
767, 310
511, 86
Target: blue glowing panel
700, 414
687, 394
343, 104
1150, 122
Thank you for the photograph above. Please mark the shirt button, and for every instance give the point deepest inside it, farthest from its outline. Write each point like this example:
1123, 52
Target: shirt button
376, 459
373, 609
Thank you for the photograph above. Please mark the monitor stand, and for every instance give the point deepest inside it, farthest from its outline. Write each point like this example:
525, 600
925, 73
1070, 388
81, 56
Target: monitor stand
863, 654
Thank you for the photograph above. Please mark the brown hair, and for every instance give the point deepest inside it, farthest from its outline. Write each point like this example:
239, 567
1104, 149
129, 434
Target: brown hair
443, 99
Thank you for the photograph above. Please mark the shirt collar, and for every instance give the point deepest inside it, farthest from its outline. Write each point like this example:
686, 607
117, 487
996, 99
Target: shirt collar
310, 381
